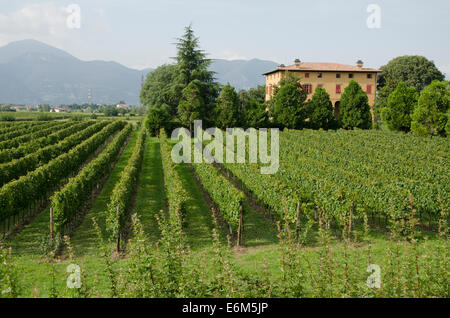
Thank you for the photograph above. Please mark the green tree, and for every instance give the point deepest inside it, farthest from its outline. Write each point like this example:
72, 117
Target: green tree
430, 116
257, 95
192, 65
157, 118
400, 105
110, 111
289, 106
447, 126
44, 108
320, 110
190, 106
227, 111
255, 115
414, 71
355, 109
160, 88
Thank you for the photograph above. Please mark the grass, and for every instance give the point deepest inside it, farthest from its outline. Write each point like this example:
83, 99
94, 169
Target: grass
84, 240
198, 222
257, 230
150, 195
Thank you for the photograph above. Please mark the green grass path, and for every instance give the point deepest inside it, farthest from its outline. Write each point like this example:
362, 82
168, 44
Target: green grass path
84, 241
198, 222
150, 195
257, 230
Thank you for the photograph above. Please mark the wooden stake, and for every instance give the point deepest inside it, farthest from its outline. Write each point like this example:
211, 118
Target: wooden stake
297, 230
118, 235
51, 224
239, 238
350, 222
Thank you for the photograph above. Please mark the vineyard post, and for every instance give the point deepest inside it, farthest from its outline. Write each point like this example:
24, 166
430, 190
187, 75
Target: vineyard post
350, 222
51, 224
118, 234
297, 229
239, 238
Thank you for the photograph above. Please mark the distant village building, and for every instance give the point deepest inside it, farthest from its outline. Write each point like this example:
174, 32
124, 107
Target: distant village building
18, 108
333, 77
124, 106
59, 110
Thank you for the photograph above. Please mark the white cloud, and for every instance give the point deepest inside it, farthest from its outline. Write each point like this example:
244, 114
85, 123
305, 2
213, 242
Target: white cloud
44, 19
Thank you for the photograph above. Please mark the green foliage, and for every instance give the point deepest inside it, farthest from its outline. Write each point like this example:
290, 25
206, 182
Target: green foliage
16, 137
430, 115
7, 118
176, 194
355, 109
255, 115
192, 65
68, 202
19, 167
447, 126
227, 198
414, 71
320, 110
39, 183
289, 105
8, 275
227, 111
44, 117
36, 143
122, 194
110, 111
157, 118
324, 168
191, 105
257, 95
400, 106
44, 108
160, 89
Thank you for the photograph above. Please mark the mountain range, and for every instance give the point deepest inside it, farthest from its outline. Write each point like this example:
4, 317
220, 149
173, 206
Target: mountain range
32, 72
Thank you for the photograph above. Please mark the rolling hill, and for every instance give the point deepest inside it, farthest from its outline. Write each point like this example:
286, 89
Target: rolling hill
34, 73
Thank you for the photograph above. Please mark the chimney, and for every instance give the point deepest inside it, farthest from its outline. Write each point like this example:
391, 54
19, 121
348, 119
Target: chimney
360, 64
297, 62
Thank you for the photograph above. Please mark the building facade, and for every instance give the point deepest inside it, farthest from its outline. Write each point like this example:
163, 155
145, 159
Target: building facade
333, 77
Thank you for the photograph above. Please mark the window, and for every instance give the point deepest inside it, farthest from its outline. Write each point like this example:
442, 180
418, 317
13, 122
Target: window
369, 89
306, 75
338, 75
320, 85
270, 90
320, 75
369, 75
350, 75
338, 88
307, 88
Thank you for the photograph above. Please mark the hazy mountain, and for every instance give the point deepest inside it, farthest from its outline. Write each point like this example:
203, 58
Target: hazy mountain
32, 72
242, 74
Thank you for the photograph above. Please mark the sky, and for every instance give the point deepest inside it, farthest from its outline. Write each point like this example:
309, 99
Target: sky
141, 33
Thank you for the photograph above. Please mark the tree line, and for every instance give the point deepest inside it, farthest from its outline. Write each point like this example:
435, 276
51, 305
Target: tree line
412, 96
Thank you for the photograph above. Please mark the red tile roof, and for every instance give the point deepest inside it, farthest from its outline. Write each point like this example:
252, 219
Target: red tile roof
323, 67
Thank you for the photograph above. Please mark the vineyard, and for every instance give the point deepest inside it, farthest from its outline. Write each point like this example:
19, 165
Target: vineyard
106, 198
